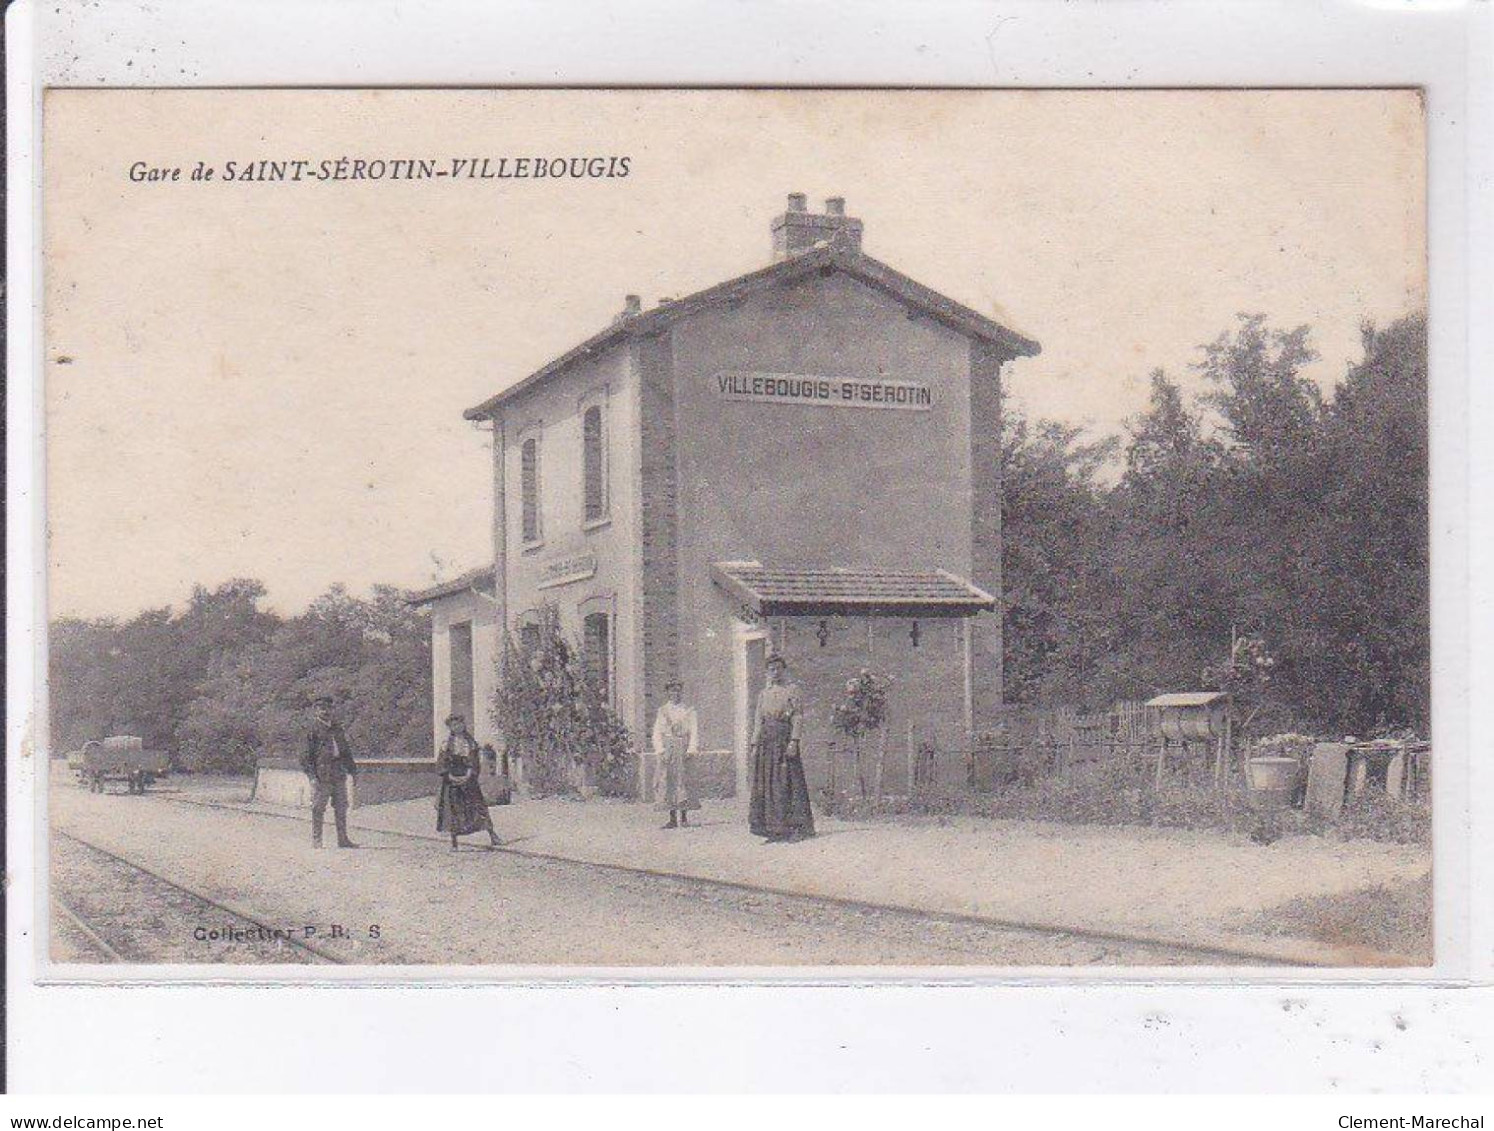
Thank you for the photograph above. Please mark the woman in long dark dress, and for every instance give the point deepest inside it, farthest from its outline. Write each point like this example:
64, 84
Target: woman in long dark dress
780, 794
460, 806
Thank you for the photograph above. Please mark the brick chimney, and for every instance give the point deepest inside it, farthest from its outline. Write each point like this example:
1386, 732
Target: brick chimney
798, 230
632, 308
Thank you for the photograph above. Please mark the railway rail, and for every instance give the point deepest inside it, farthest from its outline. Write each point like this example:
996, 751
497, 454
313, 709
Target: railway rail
165, 911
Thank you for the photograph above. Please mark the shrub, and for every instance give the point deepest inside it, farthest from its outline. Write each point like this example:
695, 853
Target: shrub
1120, 791
859, 714
1008, 763
1373, 815
558, 720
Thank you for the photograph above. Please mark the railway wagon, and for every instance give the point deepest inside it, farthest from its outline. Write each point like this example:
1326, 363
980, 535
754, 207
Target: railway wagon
121, 758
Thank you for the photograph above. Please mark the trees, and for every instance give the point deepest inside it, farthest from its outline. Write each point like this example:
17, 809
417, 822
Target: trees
1370, 618
1168, 549
1058, 591
1264, 509
224, 681
372, 656
138, 677
82, 691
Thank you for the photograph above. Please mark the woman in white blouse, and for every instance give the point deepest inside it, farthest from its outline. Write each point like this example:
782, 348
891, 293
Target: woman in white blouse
676, 742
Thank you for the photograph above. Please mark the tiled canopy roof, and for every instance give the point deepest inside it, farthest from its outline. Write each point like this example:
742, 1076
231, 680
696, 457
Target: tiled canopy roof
481, 578
834, 590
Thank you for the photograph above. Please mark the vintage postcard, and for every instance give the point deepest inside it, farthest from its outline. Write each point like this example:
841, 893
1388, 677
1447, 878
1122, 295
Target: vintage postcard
684, 529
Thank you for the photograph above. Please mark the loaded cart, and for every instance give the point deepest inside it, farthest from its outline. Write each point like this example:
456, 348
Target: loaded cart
121, 758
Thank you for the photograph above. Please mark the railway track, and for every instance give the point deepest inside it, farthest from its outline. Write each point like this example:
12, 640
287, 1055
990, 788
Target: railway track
111, 910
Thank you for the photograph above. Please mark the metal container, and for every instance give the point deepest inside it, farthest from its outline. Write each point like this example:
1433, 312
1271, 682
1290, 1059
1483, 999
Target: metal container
1191, 716
1273, 775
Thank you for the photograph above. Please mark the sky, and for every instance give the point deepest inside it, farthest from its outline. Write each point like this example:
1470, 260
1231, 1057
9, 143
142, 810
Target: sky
267, 379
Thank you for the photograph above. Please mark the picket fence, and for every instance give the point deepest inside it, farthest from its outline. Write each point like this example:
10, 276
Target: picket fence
1029, 743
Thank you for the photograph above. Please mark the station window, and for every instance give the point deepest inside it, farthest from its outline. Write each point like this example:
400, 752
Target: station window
529, 472
594, 464
597, 637
529, 638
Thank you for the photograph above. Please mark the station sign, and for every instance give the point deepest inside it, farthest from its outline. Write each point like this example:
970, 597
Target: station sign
566, 569
823, 392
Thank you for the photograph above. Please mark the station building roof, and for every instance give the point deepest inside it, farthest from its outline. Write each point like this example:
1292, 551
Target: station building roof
482, 579
830, 257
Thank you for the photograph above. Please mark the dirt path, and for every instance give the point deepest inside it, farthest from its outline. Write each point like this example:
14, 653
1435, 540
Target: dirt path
395, 900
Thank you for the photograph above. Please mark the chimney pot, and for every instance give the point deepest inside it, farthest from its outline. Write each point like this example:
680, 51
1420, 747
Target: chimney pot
632, 304
798, 231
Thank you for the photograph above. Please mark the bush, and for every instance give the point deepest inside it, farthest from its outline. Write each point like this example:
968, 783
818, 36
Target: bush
1121, 792
558, 721
1004, 763
861, 713
1378, 816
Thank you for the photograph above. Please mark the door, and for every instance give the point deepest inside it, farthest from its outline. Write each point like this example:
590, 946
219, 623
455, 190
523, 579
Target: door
751, 647
463, 690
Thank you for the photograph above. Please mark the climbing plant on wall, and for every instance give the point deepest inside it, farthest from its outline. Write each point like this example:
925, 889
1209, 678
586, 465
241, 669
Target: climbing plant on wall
557, 719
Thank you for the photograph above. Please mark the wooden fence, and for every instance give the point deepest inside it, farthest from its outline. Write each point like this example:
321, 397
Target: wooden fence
1028, 744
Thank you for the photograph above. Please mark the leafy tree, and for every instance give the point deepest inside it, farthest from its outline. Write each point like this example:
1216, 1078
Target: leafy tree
1262, 510
81, 690
1365, 611
372, 656
224, 681
1270, 410
1057, 590
1168, 550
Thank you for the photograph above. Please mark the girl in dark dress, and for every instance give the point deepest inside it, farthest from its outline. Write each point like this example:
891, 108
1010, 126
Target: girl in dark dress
460, 806
780, 794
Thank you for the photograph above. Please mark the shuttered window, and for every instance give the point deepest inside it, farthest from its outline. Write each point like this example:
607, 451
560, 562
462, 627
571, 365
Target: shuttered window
529, 489
529, 638
593, 464
597, 640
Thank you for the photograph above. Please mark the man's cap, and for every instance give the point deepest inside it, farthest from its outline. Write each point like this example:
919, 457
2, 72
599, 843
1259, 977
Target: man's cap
324, 700
455, 718
775, 658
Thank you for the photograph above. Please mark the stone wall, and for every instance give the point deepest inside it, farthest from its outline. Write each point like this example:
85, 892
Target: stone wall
281, 781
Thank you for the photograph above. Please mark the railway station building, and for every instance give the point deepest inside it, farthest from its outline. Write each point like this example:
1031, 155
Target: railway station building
803, 459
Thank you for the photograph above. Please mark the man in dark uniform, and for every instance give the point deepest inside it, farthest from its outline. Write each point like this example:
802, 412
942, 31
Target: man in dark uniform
329, 764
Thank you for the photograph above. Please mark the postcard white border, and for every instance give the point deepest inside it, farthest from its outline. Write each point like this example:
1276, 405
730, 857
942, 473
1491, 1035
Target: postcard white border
1028, 1030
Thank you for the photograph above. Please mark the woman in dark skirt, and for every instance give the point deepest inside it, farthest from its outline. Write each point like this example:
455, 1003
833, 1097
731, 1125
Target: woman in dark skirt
460, 806
780, 795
